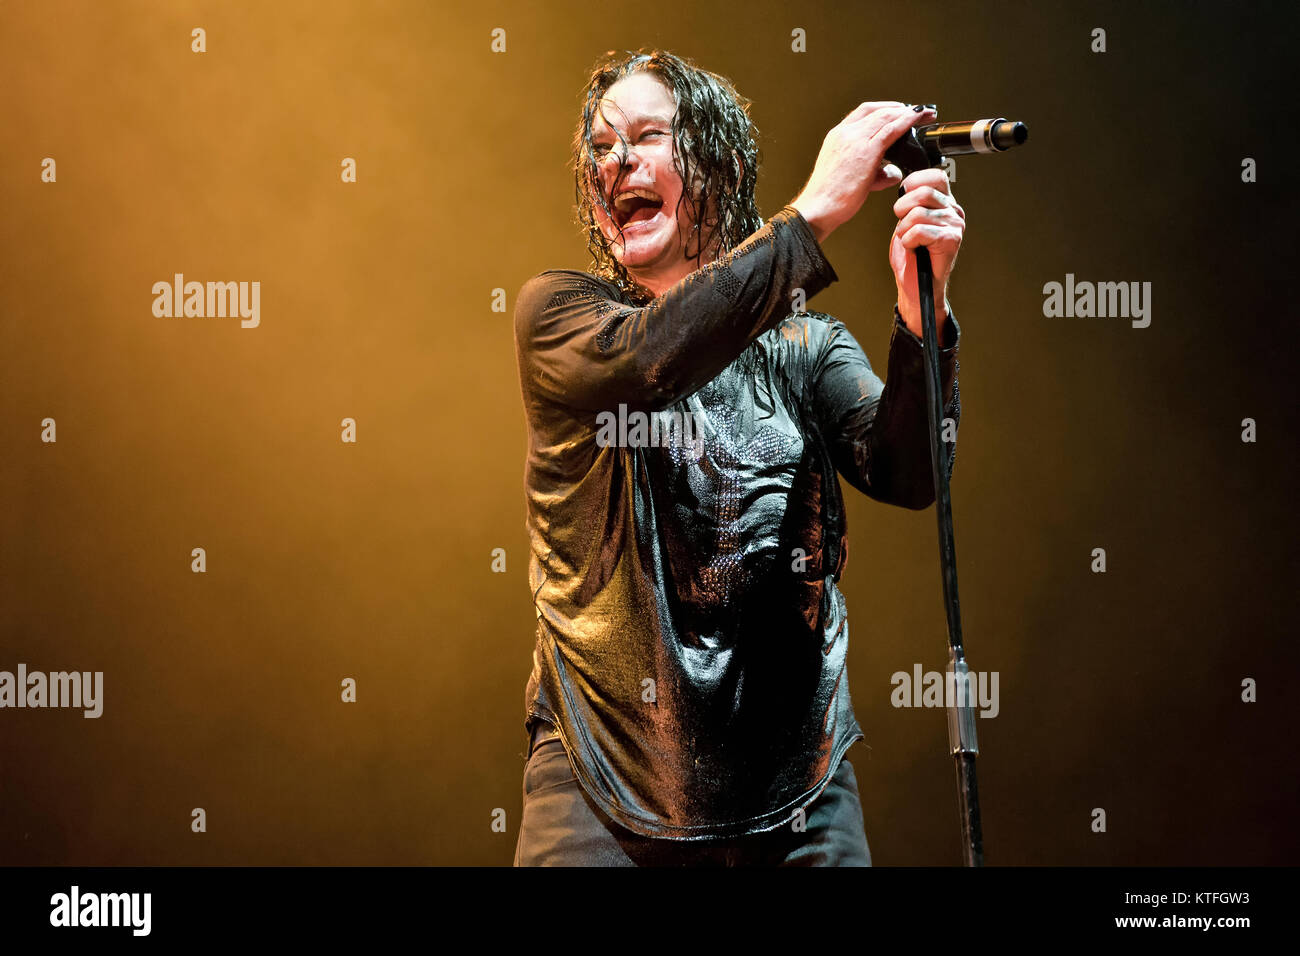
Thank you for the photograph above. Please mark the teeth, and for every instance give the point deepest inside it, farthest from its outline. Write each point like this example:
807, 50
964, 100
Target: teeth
621, 200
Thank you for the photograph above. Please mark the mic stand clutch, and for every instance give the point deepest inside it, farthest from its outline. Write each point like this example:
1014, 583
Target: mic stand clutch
909, 155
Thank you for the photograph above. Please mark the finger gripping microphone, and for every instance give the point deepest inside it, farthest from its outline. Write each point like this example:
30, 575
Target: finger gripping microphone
926, 147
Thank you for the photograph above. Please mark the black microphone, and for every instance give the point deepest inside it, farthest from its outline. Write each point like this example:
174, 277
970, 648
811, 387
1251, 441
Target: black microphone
925, 147
974, 136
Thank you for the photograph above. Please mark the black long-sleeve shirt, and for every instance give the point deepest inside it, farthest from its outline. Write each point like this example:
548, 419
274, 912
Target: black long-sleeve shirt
691, 639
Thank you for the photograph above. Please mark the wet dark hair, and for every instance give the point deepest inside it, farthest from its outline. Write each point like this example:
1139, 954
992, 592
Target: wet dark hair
711, 120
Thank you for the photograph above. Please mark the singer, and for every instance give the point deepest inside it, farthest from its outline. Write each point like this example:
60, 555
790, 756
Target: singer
689, 703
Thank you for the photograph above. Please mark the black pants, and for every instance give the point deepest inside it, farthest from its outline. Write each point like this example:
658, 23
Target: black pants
562, 826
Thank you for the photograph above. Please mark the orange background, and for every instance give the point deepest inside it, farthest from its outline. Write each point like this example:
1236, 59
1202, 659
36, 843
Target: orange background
328, 560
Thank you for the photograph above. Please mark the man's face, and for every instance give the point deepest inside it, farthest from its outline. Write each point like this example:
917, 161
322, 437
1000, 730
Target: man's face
655, 234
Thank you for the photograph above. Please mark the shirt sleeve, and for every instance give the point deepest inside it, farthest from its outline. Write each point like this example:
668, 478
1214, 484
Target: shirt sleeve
580, 346
878, 432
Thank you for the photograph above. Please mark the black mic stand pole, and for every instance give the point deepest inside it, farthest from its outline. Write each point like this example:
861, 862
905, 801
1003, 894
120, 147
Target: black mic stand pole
908, 154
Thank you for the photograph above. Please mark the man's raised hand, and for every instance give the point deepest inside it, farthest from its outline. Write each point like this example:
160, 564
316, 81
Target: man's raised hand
851, 163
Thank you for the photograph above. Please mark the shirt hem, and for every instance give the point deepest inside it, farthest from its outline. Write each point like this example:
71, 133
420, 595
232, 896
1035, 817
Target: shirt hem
709, 831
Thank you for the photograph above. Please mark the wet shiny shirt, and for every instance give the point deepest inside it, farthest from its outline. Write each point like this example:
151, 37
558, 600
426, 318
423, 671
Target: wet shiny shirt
691, 638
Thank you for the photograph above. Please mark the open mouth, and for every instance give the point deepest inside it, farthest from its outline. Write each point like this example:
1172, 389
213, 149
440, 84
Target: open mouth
636, 205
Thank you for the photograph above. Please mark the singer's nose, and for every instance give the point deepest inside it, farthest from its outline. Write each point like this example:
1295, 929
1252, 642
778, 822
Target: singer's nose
622, 156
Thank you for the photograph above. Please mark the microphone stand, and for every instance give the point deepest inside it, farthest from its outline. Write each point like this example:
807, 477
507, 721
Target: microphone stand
909, 155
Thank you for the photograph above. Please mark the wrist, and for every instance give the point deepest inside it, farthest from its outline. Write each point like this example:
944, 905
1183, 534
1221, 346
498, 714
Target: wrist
815, 215
909, 310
